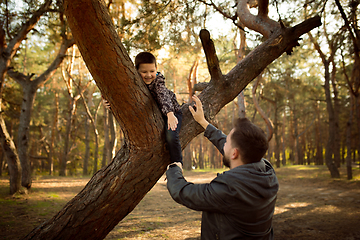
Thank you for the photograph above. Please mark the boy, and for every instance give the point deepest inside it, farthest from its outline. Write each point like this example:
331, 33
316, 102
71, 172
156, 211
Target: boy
145, 64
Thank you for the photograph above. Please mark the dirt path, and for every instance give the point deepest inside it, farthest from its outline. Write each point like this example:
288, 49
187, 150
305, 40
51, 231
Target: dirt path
306, 209
309, 206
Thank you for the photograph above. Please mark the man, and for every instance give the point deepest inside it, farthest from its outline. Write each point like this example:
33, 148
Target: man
239, 203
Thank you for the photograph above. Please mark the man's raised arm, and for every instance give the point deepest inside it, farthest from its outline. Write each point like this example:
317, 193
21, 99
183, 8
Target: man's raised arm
217, 137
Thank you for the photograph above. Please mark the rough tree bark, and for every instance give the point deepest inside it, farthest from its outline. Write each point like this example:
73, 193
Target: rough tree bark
116, 189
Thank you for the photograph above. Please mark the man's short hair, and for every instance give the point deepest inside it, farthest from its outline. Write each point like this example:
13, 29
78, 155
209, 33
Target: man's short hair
144, 57
250, 140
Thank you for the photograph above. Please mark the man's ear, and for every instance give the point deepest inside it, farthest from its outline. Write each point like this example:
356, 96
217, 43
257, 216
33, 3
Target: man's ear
235, 153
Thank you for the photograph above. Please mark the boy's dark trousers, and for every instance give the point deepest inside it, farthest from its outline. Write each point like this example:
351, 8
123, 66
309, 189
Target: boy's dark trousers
173, 140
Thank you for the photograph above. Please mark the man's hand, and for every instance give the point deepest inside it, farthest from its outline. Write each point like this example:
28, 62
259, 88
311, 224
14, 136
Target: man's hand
198, 114
175, 163
172, 121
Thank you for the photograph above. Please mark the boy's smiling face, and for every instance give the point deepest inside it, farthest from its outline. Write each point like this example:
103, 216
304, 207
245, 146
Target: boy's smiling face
147, 72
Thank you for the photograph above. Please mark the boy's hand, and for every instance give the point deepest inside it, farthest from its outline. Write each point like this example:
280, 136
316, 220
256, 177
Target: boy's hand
198, 114
172, 121
106, 102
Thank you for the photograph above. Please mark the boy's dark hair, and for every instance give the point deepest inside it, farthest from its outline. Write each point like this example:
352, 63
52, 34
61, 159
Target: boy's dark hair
144, 57
250, 140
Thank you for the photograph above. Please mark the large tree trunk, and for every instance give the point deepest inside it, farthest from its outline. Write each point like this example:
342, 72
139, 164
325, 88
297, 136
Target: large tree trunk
114, 191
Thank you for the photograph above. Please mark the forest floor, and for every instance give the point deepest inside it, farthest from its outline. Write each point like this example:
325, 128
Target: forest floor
310, 205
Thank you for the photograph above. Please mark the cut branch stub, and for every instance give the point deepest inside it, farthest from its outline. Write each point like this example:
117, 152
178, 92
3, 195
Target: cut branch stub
210, 53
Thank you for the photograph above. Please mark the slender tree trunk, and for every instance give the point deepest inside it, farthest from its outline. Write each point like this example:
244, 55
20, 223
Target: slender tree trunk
269, 124
337, 108
296, 138
7, 143
12, 158
87, 147
318, 138
96, 154
283, 136
96, 133
357, 109
330, 163
201, 154
53, 134
187, 158
69, 120
113, 139
348, 140
1, 161
106, 137
212, 155
277, 138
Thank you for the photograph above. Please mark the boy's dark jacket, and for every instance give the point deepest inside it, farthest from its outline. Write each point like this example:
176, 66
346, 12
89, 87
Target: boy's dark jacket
237, 204
165, 99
